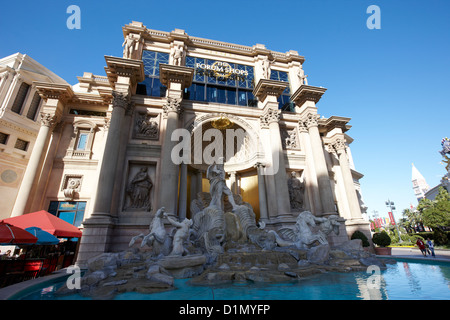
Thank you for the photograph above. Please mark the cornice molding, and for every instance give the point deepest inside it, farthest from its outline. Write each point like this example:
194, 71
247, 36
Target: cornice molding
46, 90
267, 87
134, 69
177, 34
179, 74
307, 93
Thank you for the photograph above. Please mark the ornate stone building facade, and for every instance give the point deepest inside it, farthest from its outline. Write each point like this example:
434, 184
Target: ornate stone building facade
20, 120
109, 144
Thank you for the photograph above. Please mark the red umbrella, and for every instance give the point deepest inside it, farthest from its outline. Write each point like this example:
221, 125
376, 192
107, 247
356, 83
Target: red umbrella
47, 222
10, 234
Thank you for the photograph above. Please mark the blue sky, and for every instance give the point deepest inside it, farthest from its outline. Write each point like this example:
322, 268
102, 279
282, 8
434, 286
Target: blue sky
393, 82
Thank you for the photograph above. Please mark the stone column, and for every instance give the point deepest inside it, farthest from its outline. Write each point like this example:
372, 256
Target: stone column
183, 191
268, 91
121, 163
233, 182
176, 78
353, 202
123, 74
305, 99
53, 95
199, 181
311, 183
34, 164
169, 170
108, 169
323, 179
263, 213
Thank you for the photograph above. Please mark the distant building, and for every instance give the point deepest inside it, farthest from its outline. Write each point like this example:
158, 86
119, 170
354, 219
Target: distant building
420, 185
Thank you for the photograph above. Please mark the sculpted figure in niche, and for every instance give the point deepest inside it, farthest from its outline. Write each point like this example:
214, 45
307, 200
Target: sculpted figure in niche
139, 190
177, 55
218, 187
181, 235
296, 191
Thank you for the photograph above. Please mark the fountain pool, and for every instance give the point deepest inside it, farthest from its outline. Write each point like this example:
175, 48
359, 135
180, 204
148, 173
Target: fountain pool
402, 280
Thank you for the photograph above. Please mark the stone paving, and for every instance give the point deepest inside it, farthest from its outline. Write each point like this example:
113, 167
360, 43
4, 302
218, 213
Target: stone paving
414, 253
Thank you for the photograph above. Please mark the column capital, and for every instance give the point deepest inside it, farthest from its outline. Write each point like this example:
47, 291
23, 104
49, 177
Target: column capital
307, 93
338, 143
122, 100
48, 119
269, 116
310, 120
172, 105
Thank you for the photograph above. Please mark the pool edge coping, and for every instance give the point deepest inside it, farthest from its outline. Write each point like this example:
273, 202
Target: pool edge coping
8, 292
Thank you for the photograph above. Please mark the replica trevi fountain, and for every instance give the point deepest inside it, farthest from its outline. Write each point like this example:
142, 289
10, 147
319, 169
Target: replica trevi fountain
221, 243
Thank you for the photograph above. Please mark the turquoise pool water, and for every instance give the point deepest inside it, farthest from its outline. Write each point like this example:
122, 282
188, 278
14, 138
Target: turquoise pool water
400, 281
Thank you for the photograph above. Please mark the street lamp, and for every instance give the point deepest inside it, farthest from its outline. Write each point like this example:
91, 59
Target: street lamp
390, 205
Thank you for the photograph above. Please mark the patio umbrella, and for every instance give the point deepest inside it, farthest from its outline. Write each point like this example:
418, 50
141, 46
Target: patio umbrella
10, 234
47, 222
43, 237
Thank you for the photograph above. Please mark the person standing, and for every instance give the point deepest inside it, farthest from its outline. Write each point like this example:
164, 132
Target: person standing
431, 247
421, 246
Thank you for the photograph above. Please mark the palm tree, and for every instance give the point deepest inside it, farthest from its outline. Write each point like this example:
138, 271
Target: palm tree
414, 217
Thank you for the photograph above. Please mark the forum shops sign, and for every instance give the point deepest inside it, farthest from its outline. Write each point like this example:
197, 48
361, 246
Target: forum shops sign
220, 69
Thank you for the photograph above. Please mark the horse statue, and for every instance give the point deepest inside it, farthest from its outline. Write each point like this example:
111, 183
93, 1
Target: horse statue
303, 235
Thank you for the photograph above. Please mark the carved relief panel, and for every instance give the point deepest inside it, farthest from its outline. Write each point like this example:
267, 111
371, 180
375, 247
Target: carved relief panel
71, 185
289, 138
146, 126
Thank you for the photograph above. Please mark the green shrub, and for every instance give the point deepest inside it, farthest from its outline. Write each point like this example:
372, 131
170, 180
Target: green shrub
381, 238
439, 237
359, 235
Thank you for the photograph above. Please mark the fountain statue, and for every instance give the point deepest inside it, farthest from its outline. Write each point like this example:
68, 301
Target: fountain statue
305, 234
222, 242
